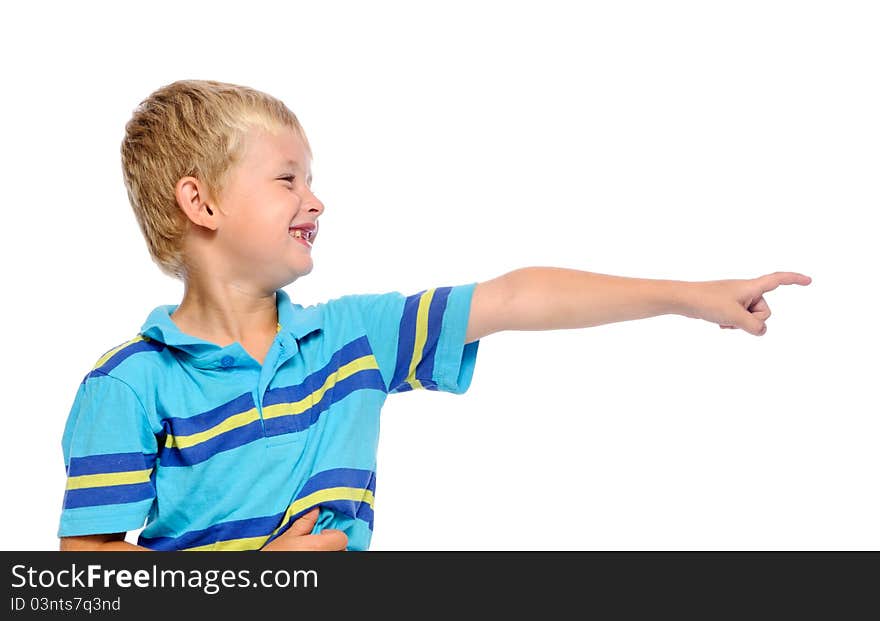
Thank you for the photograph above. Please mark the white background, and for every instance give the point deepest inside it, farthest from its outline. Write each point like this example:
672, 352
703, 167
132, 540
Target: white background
675, 140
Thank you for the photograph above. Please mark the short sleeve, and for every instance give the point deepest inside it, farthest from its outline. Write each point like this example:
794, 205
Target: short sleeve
109, 456
418, 339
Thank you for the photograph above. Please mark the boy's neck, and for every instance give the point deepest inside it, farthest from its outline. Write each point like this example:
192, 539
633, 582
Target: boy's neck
224, 313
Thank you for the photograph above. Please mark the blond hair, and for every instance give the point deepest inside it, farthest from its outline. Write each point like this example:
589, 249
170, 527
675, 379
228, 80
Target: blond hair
189, 128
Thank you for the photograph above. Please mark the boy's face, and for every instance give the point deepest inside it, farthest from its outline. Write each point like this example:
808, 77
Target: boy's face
268, 192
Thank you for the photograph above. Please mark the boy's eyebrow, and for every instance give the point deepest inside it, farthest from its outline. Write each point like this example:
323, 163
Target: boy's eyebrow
295, 164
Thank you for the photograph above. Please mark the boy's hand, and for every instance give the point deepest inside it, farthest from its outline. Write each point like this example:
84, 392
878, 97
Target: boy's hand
737, 303
298, 537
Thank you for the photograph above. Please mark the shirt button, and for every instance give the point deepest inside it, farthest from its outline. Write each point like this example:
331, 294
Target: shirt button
227, 361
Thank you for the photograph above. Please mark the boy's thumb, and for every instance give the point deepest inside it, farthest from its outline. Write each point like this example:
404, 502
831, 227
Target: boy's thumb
752, 323
304, 524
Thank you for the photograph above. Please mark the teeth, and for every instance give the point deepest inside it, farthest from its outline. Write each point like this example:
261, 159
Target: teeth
301, 234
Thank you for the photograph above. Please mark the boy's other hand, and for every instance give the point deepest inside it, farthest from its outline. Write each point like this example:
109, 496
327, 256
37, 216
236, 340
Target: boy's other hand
299, 537
737, 303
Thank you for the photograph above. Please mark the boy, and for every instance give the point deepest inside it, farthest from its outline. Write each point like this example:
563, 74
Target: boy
238, 420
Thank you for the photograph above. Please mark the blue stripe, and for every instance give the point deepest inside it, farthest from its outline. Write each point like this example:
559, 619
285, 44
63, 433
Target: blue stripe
336, 477
205, 450
110, 462
339, 477
233, 529
342, 477
406, 340
122, 354
109, 495
262, 526
425, 368
357, 348
361, 510
366, 379
184, 426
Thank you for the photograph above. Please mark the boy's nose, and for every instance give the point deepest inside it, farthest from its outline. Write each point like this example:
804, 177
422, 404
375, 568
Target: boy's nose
315, 205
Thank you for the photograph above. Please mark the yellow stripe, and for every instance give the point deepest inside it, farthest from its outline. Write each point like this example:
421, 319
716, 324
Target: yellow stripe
273, 411
331, 493
233, 422
110, 478
298, 407
357, 494
420, 338
110, 353
206, 548
247, 543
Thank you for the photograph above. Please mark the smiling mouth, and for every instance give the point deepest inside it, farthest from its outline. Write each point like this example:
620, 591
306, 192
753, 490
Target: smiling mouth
303, 236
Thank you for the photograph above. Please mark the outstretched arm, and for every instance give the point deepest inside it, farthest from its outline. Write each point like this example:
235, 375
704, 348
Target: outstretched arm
553, 298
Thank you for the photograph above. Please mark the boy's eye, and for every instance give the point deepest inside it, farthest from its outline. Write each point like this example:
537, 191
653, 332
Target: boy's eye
290, 179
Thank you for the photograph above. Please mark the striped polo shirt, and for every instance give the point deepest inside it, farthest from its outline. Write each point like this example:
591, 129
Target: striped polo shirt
217, 452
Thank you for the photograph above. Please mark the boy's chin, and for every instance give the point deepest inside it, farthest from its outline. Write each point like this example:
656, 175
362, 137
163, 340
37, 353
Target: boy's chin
298, 271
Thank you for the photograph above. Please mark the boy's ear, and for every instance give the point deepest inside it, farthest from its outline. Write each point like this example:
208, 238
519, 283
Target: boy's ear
191, 200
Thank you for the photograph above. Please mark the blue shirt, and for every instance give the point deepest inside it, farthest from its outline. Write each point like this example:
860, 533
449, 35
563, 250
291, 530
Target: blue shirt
218, 452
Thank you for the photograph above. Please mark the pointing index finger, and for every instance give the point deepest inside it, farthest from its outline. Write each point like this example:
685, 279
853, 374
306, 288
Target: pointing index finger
771, 281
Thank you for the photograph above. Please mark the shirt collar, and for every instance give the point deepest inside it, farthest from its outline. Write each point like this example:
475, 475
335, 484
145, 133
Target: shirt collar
293, 319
